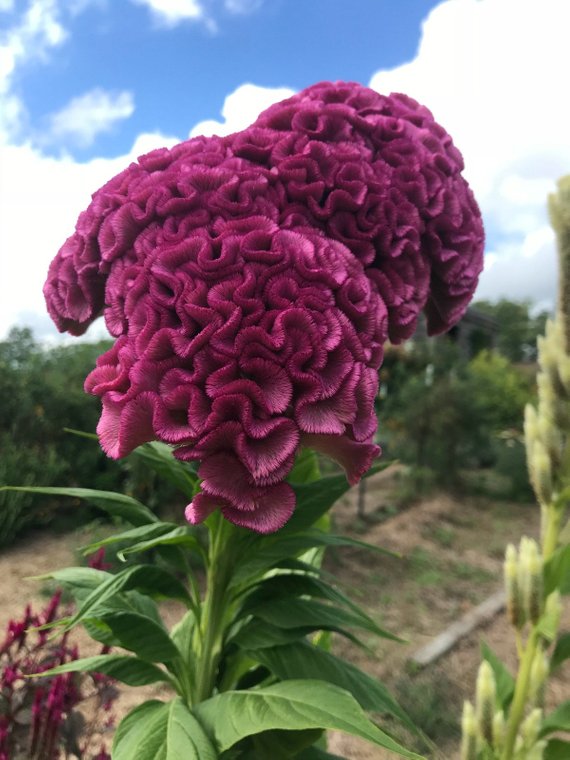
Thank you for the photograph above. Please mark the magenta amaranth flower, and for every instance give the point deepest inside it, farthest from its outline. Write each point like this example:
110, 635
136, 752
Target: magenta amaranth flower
251, 282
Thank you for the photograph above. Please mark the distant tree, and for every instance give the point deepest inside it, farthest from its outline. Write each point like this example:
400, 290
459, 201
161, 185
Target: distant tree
42, 394
518, 327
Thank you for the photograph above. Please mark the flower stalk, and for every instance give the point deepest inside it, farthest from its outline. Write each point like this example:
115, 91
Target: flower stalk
215, 609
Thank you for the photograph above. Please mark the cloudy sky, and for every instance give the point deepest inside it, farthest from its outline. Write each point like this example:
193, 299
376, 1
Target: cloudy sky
88, 85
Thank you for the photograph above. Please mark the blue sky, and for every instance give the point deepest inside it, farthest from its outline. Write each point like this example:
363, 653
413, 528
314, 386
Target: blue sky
87, 85
178, 70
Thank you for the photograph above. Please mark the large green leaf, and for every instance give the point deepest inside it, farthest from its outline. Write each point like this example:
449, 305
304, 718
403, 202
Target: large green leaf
269, 551
557, 571
116, 504
557, 749
141, 635
303, 660
291, 705
147, 578
504, 680
122, 667
294, 585
296, 613
557, 720
561, 651
159, 731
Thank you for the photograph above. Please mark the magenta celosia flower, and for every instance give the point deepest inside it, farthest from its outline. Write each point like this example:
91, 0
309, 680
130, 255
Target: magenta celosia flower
251, 282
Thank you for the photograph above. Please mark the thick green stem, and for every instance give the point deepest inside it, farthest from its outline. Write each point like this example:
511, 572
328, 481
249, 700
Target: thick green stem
214, 610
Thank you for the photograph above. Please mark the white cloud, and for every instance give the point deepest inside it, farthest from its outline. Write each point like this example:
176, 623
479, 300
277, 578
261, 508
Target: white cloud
38, 30
6, 5
242, 107
242, 7
40, 200
88, 115
491, 72
521, 271
172, 12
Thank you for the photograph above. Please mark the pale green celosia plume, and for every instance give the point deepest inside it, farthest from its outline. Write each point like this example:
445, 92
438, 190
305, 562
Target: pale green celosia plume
559, 208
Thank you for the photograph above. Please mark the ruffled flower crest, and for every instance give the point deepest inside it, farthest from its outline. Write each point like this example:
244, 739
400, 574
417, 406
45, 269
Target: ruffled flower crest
251, 282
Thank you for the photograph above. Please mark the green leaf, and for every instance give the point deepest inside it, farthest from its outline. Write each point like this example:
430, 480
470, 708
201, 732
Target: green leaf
141, 635
79, 580
316, 498
306, 467
134, 535
291, 705
130, 601
504, 680
160, 458
116, 504
178, 536
561, 651
298, 613
330, 539
140, 735
257, 634
557, 571
122, 667
557, 749
303, 660
159, 731
185, 737
558, 720
148, 578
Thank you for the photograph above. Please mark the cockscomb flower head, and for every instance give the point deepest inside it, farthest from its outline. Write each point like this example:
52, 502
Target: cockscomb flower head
252, 280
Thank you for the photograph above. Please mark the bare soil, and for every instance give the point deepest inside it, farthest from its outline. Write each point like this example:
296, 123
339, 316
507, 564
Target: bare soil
451, 553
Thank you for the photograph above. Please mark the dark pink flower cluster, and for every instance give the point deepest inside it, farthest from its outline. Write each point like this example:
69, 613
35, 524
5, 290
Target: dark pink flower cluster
251, 282
38, 716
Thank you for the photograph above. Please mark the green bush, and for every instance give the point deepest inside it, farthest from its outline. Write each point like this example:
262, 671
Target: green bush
444, 413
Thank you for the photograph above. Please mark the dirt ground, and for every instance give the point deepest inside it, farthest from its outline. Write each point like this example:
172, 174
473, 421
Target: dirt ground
451, 559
